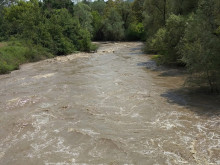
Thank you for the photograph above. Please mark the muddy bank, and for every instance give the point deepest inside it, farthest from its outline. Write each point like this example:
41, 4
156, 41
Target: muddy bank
104, 108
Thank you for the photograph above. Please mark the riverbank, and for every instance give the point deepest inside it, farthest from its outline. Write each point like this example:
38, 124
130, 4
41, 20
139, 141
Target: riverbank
104, 108
15, 53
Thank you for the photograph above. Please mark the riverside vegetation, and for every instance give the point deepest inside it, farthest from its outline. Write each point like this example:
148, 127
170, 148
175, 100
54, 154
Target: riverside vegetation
183, 33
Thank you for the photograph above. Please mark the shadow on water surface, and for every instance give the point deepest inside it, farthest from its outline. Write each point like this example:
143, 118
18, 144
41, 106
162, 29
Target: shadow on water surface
149, 65
203, 104
173, 72
138, 48
199, 101
135, 54
165, 70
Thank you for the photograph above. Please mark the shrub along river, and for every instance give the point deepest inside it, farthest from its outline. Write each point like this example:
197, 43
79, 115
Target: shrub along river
111, 107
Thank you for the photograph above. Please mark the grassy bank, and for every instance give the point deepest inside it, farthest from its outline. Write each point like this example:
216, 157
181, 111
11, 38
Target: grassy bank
15, 53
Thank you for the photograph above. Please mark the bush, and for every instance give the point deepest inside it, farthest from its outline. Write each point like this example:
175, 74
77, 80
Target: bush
113, 26
157, 44
16, 53
97, 24
11, 57
200, 51
36, 53
84, 41
166, 41
64, 46
175, 27
56, 30
135, 32
94, 47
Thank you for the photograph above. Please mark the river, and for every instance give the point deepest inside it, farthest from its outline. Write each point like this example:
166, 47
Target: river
111, 107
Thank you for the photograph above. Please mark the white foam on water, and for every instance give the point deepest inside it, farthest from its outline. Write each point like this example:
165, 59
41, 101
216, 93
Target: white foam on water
40, 146
22, 101
167, 125
66, 163
44, 76
11, 140
45, 105
2, 154
135, 115
69, 151
174, 158
201, 128
40, 120
95, 153
89, 132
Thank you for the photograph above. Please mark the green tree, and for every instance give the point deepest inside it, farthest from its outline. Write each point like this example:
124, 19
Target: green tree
135, 32
58, 4
201, 45
156, 44
183, 7
175, 27
137, 9
59, 21
22, 19
97, 24
82, 12
155, 14
125, 10
99, 6
113, 26
110, 4
67, 33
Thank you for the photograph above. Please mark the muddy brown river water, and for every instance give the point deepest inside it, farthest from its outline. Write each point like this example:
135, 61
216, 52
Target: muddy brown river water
112, 107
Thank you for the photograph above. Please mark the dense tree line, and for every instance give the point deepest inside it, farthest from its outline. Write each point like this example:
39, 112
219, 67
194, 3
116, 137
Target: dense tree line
187, 33
40, 29
50, 22
181, 32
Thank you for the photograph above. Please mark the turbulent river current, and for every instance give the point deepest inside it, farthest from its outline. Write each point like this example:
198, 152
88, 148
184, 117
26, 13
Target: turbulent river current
112, 107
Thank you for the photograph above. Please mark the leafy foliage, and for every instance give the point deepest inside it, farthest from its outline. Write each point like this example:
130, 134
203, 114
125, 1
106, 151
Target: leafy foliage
15, 53
83, 13
113, 26
135, 32
155, 14
175, 26
157, 44
201, 50
58, 4
99, 6
190, 37
137, 9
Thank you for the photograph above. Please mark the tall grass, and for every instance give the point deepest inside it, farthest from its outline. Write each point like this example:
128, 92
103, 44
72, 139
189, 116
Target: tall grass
15, 53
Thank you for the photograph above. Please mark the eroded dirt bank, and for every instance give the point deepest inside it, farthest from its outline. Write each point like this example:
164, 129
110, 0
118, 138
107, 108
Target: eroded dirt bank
104, 108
